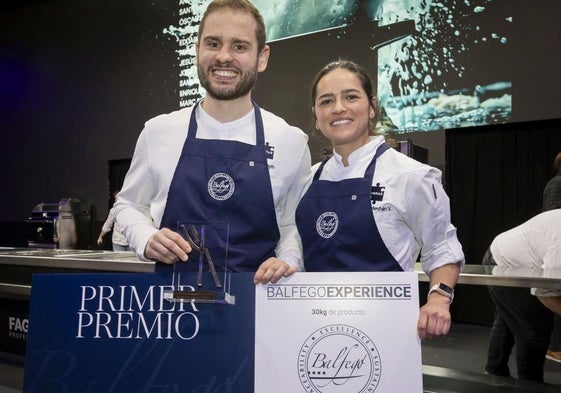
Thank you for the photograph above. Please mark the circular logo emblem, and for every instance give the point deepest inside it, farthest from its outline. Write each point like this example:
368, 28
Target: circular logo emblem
339, 358
326, 224
221, 186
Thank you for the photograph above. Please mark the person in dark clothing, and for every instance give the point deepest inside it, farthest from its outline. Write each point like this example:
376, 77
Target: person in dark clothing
524, 317
552, 190
552, 200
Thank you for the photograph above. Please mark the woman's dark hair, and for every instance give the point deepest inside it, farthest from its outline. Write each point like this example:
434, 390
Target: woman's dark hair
348, 65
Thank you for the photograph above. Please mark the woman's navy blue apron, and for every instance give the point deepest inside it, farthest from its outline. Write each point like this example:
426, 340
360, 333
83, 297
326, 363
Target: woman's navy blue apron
222, 181
337, 227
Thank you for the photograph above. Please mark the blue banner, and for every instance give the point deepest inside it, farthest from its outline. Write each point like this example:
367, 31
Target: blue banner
105, 333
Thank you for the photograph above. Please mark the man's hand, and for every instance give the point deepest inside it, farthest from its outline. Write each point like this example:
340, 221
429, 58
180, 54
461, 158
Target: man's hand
167, 246
272, 270
434, 317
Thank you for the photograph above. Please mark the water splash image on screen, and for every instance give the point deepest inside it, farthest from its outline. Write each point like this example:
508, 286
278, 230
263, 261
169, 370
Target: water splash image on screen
426, 81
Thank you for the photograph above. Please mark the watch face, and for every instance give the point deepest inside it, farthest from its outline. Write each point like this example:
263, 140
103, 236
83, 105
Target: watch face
446, 288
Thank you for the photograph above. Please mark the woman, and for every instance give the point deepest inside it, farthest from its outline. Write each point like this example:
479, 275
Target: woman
371, 208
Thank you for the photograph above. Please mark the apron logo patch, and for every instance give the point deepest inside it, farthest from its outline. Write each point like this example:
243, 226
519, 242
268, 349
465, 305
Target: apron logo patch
221, 186
376, 193
326, 224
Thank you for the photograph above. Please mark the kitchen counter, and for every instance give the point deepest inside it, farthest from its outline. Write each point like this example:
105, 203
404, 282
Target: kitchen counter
18, 266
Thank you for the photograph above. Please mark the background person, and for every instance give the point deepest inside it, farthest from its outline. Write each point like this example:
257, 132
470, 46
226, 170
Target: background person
552, 190
370, 207
223, 160
118, 241
552, 200
522, 319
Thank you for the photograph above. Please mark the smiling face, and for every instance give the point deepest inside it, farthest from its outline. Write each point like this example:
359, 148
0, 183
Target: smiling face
227, 56
343, 110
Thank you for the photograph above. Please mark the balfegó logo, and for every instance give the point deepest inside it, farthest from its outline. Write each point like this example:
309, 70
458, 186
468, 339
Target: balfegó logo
326, 224
339, 358
221, 186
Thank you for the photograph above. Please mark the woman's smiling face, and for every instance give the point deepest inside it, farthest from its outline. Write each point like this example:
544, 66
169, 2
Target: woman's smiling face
343, 110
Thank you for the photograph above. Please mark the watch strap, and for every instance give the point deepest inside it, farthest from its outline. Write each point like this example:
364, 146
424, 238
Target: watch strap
443, 290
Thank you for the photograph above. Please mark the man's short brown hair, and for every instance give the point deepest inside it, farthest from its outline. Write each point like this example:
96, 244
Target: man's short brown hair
242, 5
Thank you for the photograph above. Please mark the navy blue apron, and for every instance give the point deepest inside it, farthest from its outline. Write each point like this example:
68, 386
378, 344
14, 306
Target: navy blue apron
222, 181
337, 226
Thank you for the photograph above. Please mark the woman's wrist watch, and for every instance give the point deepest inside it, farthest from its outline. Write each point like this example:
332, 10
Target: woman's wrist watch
444, 290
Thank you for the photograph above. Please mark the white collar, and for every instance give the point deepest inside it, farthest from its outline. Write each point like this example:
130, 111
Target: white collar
365, 152
204, 117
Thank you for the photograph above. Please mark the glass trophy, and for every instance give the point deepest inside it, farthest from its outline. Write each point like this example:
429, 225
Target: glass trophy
204, 278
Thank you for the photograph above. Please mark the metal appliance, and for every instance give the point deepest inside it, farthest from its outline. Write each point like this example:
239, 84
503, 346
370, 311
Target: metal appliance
65, 224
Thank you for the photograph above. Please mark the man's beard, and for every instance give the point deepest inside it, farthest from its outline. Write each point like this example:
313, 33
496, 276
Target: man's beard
226, 93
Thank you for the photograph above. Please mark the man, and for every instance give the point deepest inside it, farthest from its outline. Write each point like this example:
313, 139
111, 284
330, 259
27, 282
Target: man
522, 319
223, 160
552, 200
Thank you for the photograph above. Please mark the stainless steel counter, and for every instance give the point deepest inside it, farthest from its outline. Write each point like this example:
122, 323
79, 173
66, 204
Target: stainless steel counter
505, 276
18, 265
93, 260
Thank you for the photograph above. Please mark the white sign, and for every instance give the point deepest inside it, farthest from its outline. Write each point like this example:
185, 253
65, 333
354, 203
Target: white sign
338, 333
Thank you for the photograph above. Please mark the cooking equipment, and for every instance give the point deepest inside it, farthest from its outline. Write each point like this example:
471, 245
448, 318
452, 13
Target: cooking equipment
65, 224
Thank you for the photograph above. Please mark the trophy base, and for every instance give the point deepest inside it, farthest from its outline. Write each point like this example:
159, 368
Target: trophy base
199, 297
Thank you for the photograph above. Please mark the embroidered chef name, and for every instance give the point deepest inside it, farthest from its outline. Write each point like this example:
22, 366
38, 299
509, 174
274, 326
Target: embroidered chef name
350, 292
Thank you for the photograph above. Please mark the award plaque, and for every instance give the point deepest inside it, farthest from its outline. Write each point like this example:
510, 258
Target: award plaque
208, 259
